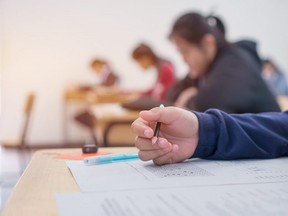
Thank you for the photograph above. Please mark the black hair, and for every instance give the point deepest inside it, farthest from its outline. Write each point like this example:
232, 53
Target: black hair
193, 27
144, 50
217, 23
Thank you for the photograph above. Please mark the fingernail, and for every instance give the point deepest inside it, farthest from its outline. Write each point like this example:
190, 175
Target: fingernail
162, 143
168, 149
147, 133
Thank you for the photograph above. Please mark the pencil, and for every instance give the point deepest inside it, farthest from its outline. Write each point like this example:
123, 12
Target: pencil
157, 126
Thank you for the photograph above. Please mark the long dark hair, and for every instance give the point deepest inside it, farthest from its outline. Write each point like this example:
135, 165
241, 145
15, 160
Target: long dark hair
193, 27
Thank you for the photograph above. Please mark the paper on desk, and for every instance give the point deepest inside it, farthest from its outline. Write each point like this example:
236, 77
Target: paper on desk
195, 172
107, 109
264, 199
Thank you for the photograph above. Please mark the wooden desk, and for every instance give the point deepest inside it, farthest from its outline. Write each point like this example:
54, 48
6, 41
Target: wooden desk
97, 95
45, 176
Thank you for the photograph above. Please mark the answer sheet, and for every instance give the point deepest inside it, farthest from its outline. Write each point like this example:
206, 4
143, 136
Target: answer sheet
194, 172
263, 199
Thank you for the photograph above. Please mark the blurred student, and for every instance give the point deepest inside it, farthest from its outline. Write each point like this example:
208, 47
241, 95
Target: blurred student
147, 58
186, 87
228, 78
275, 78
106, 78
105, 73
210, 135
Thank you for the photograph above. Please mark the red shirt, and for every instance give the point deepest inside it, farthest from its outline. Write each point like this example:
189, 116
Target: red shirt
165, 80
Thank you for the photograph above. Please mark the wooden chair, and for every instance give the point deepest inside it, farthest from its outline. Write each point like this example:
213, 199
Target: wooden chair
19, 143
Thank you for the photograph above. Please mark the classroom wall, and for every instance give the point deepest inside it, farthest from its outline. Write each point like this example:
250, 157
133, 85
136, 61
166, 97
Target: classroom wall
47, 44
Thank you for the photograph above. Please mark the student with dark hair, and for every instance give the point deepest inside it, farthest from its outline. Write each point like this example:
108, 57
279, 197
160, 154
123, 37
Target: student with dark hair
187, 87
275, 78
210, 135
228, 78
105, 72
147, 58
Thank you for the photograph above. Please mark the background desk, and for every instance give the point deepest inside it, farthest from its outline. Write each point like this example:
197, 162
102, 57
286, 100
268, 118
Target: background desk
113, 124
45, 176
94, 96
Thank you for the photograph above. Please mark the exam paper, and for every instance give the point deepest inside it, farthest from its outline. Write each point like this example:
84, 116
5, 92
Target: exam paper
195, 172
263, 199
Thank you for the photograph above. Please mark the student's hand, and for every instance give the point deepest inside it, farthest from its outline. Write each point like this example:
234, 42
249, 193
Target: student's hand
183, 98
178, 137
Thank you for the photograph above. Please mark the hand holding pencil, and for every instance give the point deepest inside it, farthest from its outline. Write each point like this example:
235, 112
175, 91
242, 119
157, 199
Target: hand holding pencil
177, 136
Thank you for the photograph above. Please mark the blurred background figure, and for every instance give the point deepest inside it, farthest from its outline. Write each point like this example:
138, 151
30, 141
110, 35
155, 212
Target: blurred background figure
166, 77
105, 73
228, 78
105, 76
275, 78
185, 88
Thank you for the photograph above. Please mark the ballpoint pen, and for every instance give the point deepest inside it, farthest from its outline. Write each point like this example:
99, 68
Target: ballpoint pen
110, 158
157, 129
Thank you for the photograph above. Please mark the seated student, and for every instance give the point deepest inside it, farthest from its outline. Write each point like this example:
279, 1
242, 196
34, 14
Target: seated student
105, 73
187, 87
275, 78
146, 58
228, 77
105, 76
210, 135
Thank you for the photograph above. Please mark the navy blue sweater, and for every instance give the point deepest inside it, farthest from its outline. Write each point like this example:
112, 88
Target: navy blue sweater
225, 136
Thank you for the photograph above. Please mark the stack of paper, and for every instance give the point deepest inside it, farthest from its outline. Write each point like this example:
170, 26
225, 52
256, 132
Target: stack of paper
194, 187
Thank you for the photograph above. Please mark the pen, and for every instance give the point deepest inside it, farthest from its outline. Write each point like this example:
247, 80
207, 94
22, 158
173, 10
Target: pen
110, 158
157, 129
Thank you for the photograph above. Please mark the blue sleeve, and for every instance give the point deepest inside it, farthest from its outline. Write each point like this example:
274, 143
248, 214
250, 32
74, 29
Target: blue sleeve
223, 136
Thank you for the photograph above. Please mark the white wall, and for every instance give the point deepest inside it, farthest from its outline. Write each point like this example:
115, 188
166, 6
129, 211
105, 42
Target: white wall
44, 45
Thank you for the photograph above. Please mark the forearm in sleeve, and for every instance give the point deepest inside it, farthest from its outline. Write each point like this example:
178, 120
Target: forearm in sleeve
226, 137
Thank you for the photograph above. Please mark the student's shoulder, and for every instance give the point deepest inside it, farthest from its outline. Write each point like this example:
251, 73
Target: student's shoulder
231, 53
230, 60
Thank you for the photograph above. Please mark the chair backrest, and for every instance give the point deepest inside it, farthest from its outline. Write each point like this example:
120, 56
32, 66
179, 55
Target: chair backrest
28, 107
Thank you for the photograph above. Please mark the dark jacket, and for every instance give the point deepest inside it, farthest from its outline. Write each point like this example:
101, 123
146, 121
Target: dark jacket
226, 137
234, 84
250, 47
